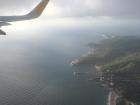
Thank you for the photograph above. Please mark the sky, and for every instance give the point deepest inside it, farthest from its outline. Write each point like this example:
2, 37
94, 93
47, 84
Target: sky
76, 8
84, 14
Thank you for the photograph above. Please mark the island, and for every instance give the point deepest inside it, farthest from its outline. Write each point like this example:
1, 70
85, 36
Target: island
117, 60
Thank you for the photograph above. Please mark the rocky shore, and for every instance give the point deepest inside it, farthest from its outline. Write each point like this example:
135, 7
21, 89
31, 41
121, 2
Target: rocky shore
117, 61
115, 97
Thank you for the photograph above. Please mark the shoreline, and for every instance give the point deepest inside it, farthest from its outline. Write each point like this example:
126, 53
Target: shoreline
106, 81
109, 85
112, 98
114, 94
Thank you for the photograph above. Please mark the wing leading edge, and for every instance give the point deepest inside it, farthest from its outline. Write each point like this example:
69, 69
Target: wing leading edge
35, 13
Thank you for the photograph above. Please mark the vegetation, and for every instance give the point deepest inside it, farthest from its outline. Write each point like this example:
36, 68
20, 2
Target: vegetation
110, 49
120, 60
127, 64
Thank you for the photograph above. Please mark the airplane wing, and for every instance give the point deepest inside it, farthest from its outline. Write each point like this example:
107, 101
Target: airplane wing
35, 13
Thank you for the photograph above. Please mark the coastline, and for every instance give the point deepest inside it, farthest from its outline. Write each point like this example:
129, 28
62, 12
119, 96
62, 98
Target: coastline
107, 81
116, 62
112, 95
112, 98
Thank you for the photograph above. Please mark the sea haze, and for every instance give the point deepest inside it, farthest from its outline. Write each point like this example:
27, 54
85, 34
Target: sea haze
35, 65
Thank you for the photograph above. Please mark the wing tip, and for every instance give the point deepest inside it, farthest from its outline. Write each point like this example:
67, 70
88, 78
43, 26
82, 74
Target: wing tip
37, 11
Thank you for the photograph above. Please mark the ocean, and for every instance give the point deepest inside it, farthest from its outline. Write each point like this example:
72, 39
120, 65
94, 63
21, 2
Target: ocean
35, 66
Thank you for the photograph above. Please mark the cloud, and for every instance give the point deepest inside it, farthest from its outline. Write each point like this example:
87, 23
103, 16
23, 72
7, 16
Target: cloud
77, 8
12, 7
101, 8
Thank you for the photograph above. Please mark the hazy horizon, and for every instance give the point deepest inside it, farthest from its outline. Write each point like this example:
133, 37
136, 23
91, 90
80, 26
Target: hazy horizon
36, 55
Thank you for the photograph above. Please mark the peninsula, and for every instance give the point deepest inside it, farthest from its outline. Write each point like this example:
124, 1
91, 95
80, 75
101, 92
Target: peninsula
118, 61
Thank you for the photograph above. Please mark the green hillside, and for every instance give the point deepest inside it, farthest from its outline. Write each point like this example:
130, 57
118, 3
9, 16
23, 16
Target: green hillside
119, 59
